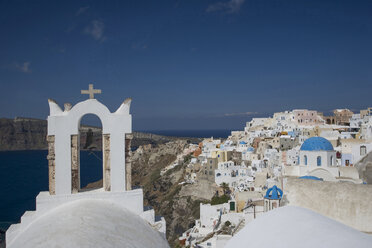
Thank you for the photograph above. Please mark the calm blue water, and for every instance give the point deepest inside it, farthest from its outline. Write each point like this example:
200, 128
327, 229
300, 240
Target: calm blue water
219, 133
25, 173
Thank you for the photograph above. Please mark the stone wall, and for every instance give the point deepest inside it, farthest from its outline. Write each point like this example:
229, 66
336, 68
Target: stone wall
364, 167
347, 203
51, 164
107, 162
128, 161
75, 164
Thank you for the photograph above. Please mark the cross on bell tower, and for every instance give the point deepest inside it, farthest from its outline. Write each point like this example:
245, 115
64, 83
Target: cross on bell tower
91, 91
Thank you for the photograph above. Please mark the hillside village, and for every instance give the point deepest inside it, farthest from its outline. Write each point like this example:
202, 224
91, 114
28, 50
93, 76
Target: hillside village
265, 166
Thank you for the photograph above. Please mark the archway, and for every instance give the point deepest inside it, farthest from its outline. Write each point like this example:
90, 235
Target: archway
323, 174
91, 155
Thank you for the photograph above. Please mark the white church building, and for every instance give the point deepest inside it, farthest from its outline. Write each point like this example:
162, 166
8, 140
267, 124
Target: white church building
317, 158
68, 216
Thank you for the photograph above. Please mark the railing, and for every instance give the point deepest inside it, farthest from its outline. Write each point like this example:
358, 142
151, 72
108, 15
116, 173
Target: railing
237, 227
218, 223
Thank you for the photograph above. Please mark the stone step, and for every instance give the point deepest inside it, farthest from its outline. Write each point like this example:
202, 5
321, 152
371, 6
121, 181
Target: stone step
27, 217
12, 232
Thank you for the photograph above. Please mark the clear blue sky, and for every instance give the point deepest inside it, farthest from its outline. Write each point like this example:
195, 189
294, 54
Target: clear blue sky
187, 64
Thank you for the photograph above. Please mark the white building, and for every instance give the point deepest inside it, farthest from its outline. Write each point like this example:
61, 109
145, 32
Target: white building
366, 129
210, 145
356, 121
212, 219
358, 151
231, 174
292, 156
255, 122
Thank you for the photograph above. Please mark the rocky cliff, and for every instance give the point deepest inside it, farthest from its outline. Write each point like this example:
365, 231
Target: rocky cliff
22, 134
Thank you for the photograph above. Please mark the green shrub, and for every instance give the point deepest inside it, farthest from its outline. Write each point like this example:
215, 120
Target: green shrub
187, 158
220, 199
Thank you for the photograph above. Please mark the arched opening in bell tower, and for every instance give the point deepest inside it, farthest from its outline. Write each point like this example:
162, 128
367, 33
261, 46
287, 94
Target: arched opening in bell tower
91, 155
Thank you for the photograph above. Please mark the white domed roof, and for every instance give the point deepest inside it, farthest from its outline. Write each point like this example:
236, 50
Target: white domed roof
89, 223
293, 227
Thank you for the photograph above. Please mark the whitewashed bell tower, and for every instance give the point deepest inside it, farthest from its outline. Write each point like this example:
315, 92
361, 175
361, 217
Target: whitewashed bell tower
64, 175
64, 144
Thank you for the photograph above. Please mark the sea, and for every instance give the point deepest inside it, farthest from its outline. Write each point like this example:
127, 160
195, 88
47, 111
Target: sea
23, 174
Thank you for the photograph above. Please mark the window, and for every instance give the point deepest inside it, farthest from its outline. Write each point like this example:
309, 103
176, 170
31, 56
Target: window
305, 160
318, 161
331, 161
363, 150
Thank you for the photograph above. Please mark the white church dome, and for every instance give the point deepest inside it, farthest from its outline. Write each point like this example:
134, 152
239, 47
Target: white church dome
89, 223
293, 227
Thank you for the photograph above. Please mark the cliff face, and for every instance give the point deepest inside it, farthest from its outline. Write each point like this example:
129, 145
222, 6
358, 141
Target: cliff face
30, 134
22, 134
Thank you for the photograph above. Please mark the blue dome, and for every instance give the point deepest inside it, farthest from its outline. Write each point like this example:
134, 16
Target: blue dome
311, 178
250, 149
242, 143
317, 144
274, 193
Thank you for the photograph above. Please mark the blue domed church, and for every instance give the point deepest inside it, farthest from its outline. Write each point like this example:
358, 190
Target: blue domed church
317, 152
317, 159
